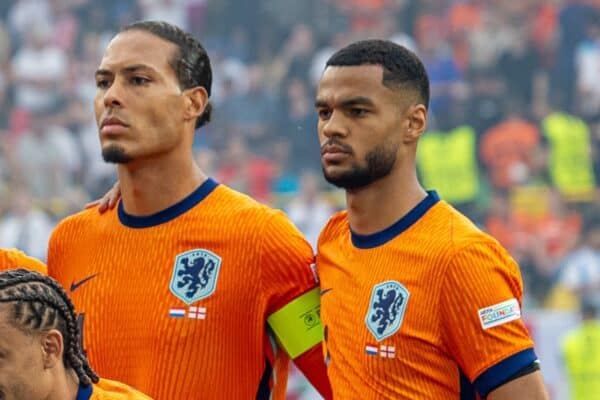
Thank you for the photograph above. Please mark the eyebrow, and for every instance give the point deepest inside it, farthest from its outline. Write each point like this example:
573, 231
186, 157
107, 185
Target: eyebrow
351, 102
128, 70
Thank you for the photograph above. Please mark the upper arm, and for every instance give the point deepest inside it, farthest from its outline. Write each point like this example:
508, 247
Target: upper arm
293, 300
286, 263
483, 330
289, 286
527, 387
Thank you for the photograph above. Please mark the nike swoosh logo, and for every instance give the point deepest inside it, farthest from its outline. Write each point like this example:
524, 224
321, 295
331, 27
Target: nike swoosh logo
324, 291
76, 285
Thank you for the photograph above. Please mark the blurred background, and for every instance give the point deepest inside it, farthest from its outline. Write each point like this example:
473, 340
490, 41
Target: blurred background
513, 137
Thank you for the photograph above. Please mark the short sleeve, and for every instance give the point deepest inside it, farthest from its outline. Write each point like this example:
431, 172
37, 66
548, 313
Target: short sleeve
481, 315
287, 263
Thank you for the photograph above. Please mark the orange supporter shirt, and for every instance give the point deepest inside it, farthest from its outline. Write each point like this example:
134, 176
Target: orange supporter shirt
506, 145
13, 258
428, 308
175, 303
106, 389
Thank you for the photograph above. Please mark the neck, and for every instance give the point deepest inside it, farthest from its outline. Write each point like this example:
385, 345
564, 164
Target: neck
377, 206
150, 187
65, 386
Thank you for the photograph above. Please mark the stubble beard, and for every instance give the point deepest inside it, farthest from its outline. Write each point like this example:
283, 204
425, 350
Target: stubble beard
379, 163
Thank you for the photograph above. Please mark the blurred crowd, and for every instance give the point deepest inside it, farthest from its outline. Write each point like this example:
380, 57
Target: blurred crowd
513, 137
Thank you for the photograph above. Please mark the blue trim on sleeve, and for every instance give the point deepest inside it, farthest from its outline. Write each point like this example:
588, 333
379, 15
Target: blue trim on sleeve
384, 236
170, 213
499, 374
467, 390
84, 392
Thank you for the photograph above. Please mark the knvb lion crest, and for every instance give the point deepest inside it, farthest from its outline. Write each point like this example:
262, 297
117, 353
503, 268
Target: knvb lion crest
195, 275
386, 309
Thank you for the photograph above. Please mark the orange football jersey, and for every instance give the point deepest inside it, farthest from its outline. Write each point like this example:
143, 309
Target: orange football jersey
106, 389
428, 308
175, 304
13, 258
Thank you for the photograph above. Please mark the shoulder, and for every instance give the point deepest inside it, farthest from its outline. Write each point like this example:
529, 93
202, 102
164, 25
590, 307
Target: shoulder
248, 212
13, 258
83, 220
452, 228
240, 205
107, 389
462, 241
337, 224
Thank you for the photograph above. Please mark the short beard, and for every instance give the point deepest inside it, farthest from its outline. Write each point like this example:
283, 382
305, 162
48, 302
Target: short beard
379, 164
116, 155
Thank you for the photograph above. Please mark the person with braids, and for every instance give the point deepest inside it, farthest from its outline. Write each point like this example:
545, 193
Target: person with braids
13, 258
188, 289
40, 353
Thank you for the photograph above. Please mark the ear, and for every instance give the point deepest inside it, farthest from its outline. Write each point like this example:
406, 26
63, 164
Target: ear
52, 348
196, 100
416, 122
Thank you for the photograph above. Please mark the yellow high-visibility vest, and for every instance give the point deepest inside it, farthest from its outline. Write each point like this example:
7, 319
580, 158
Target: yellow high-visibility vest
447, 163
570, 159
581, 350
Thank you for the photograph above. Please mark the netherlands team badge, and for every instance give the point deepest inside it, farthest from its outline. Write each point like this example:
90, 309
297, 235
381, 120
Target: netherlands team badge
195, 275
386, 309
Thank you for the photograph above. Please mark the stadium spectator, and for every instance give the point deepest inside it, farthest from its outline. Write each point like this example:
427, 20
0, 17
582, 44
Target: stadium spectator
581, 352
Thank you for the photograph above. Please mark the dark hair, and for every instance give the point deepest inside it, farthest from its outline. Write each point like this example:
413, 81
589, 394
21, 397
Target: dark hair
41, 304
401, 67
191, 63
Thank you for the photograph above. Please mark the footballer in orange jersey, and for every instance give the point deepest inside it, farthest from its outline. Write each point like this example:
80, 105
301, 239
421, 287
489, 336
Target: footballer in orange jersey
40, 353
188, 290
416, 302
13, 258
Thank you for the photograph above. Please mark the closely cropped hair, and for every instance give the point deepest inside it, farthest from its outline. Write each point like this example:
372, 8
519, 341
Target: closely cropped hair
39, 304
401, 67
191, 64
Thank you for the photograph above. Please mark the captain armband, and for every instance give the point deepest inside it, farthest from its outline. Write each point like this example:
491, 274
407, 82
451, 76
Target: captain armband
297, 325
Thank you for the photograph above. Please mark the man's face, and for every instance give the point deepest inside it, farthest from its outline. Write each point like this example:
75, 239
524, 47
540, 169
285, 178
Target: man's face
138, 103
22, 373
359, 125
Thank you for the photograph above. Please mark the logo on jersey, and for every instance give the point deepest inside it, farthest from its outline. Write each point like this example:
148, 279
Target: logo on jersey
499, 314
77, 285
195, 275
386, 309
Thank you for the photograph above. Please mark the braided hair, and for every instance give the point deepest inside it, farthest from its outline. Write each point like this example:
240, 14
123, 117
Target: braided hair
191, 63
40, 304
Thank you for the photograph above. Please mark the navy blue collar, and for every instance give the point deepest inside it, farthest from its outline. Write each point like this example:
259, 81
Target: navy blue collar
170, 213
84, 392
384, 236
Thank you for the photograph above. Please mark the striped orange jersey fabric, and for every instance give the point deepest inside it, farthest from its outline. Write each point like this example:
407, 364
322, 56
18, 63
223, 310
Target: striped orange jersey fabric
13, 258
106, 389
426, 309
175, 304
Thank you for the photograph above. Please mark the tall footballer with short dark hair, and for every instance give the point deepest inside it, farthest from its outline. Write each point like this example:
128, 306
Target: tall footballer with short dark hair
188, 289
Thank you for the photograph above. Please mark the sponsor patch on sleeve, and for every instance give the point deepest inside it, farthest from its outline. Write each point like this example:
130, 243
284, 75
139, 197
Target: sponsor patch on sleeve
499, 314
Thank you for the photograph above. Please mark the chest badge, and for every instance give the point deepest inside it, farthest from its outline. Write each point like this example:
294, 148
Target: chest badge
386, 309
195, 275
